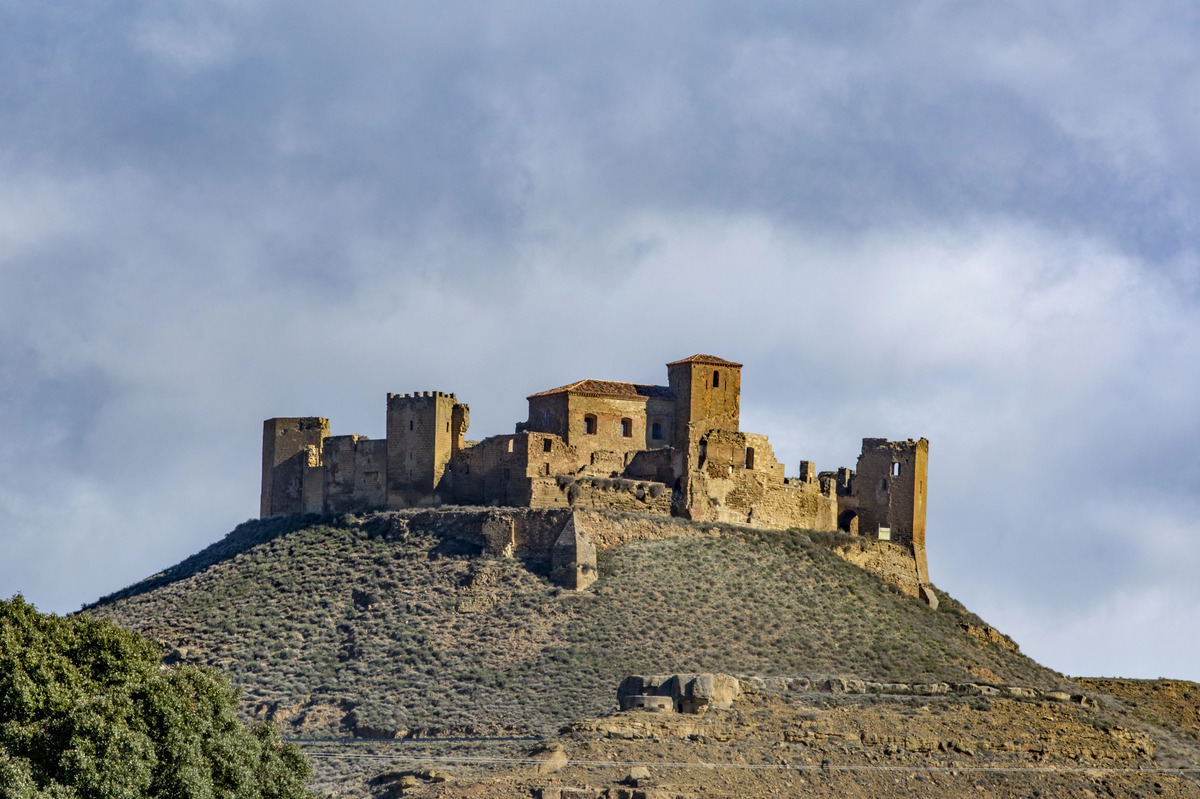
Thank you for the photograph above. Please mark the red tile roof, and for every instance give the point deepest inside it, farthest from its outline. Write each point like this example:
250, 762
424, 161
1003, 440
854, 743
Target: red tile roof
609, 388
708, 359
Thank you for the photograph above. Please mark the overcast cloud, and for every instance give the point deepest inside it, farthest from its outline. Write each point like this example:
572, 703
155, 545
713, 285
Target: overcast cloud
971, 222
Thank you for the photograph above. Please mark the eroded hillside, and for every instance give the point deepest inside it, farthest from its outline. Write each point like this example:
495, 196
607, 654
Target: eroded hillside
387, 624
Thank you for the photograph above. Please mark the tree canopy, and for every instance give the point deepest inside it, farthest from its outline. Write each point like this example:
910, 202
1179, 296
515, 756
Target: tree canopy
86, 710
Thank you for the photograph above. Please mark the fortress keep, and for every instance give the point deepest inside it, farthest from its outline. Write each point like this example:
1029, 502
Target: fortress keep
673, 450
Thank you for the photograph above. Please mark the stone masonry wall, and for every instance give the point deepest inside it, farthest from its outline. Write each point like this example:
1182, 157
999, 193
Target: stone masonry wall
608, 414
549, 414
701, 406
634, 496
420, 442
893, 562
355, 473
889, 492
739, 481
285, 459
492, 471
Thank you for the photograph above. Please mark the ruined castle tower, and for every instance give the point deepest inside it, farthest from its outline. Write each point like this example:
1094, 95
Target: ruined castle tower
291, 447
423, 432
707, 390
889, 492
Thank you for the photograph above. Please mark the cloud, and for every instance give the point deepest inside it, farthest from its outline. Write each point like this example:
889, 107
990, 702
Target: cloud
972, 224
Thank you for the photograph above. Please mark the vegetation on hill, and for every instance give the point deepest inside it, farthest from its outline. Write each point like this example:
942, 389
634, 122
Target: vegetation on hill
378, 627
86, 710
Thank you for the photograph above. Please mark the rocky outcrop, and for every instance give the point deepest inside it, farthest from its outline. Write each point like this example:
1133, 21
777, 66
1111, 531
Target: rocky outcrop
990, 635
689, 693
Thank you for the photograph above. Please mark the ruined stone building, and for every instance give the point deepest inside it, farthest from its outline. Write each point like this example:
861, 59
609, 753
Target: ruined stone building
673, 450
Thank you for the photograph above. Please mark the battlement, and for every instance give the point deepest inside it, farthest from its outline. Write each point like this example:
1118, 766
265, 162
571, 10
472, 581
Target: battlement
669, 450
422, 395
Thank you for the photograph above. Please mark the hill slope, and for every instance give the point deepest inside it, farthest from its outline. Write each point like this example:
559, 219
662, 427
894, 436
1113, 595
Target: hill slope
385, 624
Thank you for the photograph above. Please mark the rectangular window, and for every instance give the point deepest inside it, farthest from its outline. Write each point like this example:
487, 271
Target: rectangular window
656, 431
589, 425
627, 428
546, 445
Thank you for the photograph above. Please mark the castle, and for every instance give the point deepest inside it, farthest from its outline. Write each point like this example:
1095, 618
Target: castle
672, 450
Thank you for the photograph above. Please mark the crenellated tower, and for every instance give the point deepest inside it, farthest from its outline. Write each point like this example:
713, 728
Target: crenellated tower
424, 430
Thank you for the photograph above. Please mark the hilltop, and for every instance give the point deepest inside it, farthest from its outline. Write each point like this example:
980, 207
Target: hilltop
397, 625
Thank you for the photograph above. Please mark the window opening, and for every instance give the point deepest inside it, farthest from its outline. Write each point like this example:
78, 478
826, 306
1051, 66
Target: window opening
510, 442
589, 425
749, 457
546, 445
627, 427
883, 485
546, 469
716, 379
410, 424
896, 469
656, 431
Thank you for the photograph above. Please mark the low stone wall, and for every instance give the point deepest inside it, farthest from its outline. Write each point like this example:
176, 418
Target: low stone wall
530, 533
601, 493
850, 685
894, 563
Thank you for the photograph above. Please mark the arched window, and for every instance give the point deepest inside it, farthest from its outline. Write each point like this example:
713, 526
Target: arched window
627, 428
716, 378
656, 431
896, 469
749, 457
589, 425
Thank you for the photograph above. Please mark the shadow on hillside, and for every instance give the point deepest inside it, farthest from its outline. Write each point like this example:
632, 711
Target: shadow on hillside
246, 535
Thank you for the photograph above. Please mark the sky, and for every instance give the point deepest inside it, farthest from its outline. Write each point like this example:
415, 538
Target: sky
972, 222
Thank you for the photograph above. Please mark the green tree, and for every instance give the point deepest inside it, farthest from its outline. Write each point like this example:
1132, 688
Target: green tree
88, 712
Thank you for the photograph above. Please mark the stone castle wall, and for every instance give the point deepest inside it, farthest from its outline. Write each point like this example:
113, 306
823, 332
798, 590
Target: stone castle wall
285, 459
663, 451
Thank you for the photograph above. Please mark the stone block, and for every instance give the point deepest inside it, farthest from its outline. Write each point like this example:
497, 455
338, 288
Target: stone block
573, 558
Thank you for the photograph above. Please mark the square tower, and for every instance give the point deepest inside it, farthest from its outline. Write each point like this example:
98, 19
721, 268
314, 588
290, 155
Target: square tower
707, 393
423, 432
288, 451
889, 493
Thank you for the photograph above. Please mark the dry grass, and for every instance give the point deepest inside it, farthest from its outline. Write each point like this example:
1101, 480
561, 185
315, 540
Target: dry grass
413, 630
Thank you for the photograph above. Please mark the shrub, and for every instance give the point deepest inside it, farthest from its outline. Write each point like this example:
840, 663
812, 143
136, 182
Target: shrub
87, 711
